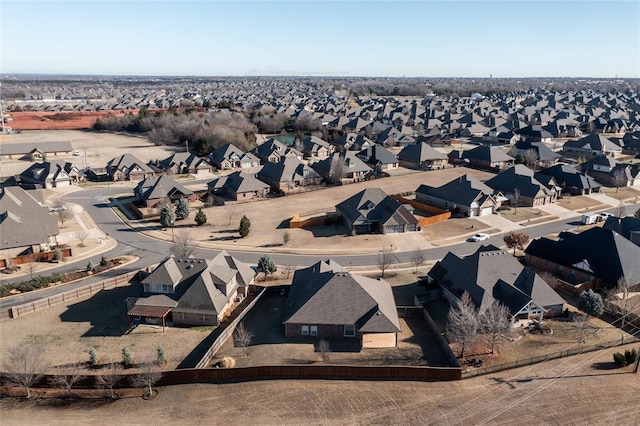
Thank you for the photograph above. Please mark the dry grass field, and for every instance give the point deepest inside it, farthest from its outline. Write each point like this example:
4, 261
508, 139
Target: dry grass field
570, 391
577, 202
625, 193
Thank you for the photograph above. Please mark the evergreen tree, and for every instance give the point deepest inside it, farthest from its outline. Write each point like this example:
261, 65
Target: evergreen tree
245, 226
266, 266
200, 218
591, 303
182, 209
167, 216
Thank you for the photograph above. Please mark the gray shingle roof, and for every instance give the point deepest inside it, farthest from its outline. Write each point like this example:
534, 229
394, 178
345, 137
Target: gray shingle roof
372, 205
420, 152
463, 190
238, 182
23, 220
520, 177
160, 187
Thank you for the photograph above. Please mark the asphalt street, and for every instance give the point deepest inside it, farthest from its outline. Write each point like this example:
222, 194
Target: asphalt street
151, 251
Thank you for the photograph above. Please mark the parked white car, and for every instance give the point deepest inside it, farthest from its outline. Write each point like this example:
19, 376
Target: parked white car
479, 237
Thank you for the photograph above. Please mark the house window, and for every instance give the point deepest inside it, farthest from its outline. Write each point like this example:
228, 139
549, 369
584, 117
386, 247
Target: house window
167, 288
314, 330
349, 330
305, 330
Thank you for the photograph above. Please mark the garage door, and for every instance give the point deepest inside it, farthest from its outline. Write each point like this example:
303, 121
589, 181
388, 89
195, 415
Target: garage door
394, 229
486, 211
379, 340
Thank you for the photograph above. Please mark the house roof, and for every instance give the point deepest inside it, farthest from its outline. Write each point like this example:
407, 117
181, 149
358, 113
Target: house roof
27, 147
544, 152
184, 159
603, 252
487, 153
47, 172
350, 163
567, 175
128, 161
323, 294
520, 177
372, 205
160, 187
377, 154
288, 169
594, 142
420, 152
463, 190
623, 226
238, 182
24, 221
491, 274
225, 152
201, 285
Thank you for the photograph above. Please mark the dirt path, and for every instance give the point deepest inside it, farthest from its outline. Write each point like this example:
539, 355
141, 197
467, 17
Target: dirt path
566, 391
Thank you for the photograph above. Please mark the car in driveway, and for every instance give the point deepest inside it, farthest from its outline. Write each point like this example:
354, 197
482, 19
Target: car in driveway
478, 237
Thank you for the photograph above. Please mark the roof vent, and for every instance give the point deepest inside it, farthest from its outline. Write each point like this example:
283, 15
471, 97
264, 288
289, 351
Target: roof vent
189, 266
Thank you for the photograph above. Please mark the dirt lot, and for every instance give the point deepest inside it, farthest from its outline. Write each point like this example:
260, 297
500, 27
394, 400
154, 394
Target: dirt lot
68, 331
626, 193
41, 120
99, 147
570, 391
523, 213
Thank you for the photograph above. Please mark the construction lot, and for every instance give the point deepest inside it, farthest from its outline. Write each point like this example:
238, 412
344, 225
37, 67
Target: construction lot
569, 391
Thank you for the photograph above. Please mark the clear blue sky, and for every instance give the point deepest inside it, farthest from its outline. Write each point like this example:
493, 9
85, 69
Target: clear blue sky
357, 38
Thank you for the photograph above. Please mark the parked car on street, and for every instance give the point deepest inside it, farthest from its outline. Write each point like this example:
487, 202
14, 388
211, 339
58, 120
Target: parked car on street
479, 237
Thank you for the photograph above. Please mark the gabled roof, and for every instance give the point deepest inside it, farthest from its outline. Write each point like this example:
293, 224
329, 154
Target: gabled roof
608, 254
420, 152
377, 154
47, 172
238, 182
487, 153
623, 226
184, 159
520, 177
544, 152
271, 146
463, 190
323, 294
372, 205
225, 152
128, 161
160, 187
594, 142
350, 163
27, 147
489, 275
288, 169
567, 175
23, 220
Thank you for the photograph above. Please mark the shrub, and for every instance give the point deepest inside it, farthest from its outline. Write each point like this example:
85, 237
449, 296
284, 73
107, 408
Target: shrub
126, 357
630, 356
90, 266
103, 261
160, 359
619, 359
245, 226
57, 255
201, 218
93, 357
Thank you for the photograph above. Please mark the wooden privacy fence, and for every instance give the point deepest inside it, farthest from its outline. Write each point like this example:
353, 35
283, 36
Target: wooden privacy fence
439, 215
35, 257
227, 332
27, 308
328, 218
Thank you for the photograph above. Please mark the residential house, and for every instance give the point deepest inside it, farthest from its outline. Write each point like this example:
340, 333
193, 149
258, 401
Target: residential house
49, 174
491, 275
465, 195
272, 150
342, 167
128, 167
534, 154
608, 171
590, 146
228, 156
534, 133
315, 147
325, 302
352, 142
569, 179
26, 224
192, 291
421, 156
155, 190
36, 151
378, 158
373, 211
520, 186
238, 186
287, 175
628, 227
486, 157
185, 163
599, 253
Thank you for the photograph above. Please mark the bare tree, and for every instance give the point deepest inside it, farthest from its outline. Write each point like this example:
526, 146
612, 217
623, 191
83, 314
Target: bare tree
109, 377
25, 364
462, 322
582, 321
81, 236
325, 349
183, 245
336, 169
621, 291
242, 337
64, 215
619, 177
417, 258
150, 373
516, 199
495, 321
619, 210
516, 240
288, 269
385, 259
68, 378
230, 217
530, 158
